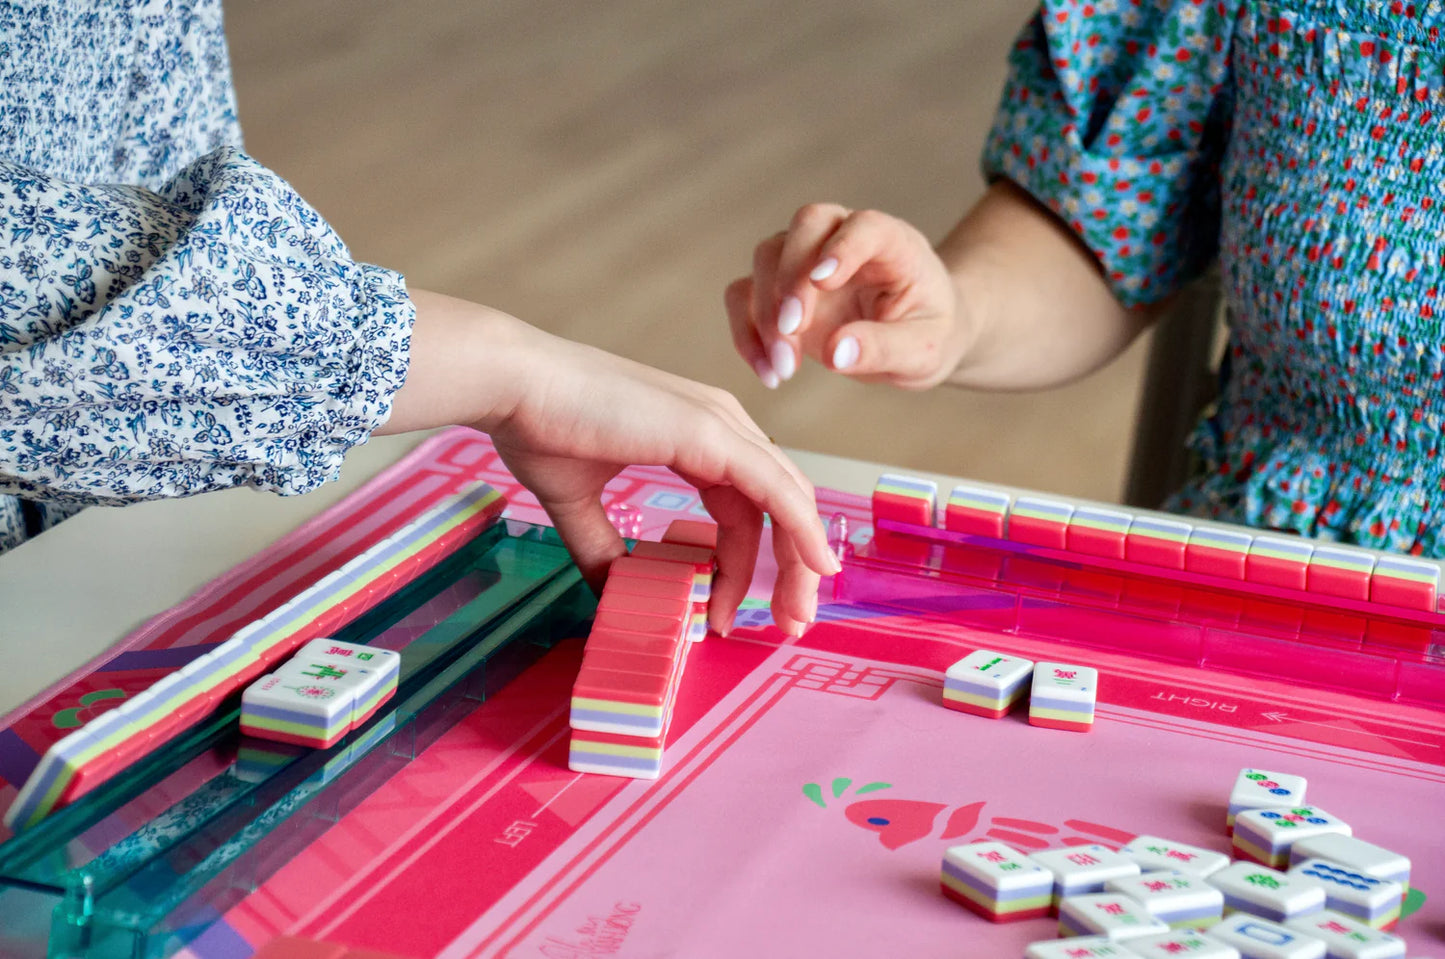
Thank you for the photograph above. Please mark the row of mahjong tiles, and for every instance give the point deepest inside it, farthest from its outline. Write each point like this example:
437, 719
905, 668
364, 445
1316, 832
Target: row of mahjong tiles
1164, 542
652, 608
122, 736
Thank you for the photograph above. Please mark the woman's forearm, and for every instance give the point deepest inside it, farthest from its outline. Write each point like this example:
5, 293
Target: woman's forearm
1038, 310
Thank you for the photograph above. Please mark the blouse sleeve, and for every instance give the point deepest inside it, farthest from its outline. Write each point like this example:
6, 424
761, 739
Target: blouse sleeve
1115, 117
211, 334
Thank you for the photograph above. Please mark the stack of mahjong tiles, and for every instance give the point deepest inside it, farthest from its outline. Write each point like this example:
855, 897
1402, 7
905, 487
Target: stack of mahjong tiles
1154, 896
653, 607
987, 683
323, 692
122, 736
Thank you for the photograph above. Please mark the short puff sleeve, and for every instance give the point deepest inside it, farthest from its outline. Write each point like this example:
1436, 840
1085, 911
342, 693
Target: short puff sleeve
1115, 116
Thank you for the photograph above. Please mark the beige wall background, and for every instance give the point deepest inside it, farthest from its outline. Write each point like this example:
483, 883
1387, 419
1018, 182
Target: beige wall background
603, 170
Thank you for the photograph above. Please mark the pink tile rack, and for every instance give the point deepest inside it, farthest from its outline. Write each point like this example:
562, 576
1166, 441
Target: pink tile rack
1165, 588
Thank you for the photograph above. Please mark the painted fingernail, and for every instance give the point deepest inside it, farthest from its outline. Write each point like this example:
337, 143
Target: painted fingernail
845, 354
765, 373
835, 564
824, 269
813, 609
785, 364
790, 316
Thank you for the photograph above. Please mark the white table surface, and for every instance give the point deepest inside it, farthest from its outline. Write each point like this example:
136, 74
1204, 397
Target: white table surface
67, 596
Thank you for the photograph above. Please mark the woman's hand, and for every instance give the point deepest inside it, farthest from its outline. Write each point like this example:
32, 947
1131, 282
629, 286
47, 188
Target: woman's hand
566, 418
863, 293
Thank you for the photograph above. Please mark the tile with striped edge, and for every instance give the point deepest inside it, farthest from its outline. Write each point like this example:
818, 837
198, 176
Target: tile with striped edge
996, 881
613, 754
1184, 941
691, 532
323, 692
154, 717
1340, 571
1179, 899
1156, 541
1261, 789
697, 624
1374, 902
905, 499
1265, 835
986, 683
648, 625
1374, 861
1258, 938
1079, 947
1217, 552
1095, 531
1063, 696
1079, 870
700, 584
1268, 893
1282, 561
1040, 522
1407, 582
977, 511
679, 588
1155, 853
1347, 939
675, 606
1107, 914
613, 701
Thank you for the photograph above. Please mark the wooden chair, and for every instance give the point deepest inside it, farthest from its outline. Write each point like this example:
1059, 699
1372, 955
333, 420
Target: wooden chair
1179, 381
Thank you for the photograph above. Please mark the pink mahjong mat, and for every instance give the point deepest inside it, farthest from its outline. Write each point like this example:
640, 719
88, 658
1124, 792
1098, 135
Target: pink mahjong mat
811, 786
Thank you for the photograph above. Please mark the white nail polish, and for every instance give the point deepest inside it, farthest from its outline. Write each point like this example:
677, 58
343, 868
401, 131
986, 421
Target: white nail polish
845, 354
766, 374
790, 316
824, 269
785, 364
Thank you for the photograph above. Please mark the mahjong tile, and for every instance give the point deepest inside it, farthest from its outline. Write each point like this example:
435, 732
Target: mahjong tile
996, 881
1265, 835
1347, 939
1078, 947
1355, 853
1084, 869
1262, 891
1182, 942
1178, 898
1374, 902
1063, 696
1106, 914
986, 682
1257, 938
1155, 853
1258, 789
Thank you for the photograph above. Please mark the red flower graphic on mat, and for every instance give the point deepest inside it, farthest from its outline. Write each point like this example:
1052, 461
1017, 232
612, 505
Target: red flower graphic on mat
899, 822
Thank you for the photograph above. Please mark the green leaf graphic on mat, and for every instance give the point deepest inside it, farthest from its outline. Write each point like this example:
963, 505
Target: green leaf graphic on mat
814, 792
1414, 899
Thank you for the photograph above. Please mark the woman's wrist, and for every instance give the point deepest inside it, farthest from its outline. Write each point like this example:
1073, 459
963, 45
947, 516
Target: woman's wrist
468, 366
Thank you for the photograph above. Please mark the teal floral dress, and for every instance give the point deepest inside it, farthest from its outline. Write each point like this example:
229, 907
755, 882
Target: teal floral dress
1300, 144
174, 318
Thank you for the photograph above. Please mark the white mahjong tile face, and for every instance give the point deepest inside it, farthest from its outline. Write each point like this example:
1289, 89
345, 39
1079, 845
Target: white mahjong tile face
1164, 887
1079, 947
1001, 865
1094, 862
1345, 937
300, 693
1154, 852
1352, 887
1289, 823
1182, 942
997, 670
1065, 681
1270, 888
1262, 939
1260, 789
1108, 914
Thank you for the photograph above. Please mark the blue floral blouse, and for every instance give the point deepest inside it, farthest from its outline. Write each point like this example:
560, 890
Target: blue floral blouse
174, 318
1302, 142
